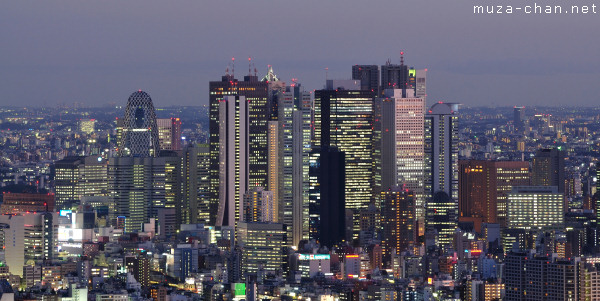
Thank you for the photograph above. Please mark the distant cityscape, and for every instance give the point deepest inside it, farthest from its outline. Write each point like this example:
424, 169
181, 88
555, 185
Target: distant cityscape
363, 189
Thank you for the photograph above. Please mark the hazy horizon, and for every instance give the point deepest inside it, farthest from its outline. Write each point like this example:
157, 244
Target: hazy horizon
100, 52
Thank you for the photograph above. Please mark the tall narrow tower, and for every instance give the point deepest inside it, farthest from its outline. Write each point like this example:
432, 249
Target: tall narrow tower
441, 170
256, 94
398, 131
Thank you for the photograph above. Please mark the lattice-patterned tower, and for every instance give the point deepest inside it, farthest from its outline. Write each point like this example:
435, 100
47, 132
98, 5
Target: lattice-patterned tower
140, 132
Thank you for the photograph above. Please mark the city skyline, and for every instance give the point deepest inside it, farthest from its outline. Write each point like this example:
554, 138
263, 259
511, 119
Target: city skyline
95, 53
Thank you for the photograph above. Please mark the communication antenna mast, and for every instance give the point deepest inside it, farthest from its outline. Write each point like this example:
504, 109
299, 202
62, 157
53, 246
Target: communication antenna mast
402, 58
233, 67
249, 66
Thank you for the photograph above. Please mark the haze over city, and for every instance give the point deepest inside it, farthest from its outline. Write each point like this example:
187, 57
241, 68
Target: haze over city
96, 53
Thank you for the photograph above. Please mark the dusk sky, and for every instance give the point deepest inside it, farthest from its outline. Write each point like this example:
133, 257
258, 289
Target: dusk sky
96, 52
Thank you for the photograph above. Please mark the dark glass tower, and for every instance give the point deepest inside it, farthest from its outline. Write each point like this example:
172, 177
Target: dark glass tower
394, 77
368, 76
326, 195
140, 132
519, 118
441, 171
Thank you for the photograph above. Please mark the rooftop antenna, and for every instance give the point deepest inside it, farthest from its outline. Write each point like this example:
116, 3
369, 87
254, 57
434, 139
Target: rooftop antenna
249, 66
233, 67
402, 58
402, 64
326, 73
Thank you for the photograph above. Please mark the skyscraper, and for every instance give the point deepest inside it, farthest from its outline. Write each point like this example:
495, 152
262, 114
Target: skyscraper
519, 118
294, 108
195, 206
137, 189
274, 157
256, 94
169, 133
140, 132
233, 158
441, 167
368, 76
394, 76
342, 118
327, 216
509, 174
548, 168
483, 189
420, 85
399, 142
262, 247
398, 220
441, 218
78, 176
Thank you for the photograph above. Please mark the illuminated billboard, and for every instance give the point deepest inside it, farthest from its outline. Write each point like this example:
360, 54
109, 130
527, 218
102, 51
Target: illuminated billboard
314, 256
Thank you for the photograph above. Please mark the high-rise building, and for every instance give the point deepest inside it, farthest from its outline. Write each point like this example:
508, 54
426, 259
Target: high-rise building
169, 133
540, 278
140, 132
137, 189
342, 119
368, 76
509, 174
535, 208
258, 206
233, 158
327, 217
173, 184
483, 189
548, 168
441, 218
256, 95
398, 220
294, 129
394, 76
195, 207
399, 144
25, 237
519, 118
262, 247
441, 169
275, 165
420, 85
78, 176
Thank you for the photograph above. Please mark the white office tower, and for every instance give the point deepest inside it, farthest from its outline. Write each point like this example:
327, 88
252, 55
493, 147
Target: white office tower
294, 117
399, 139
233, 158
